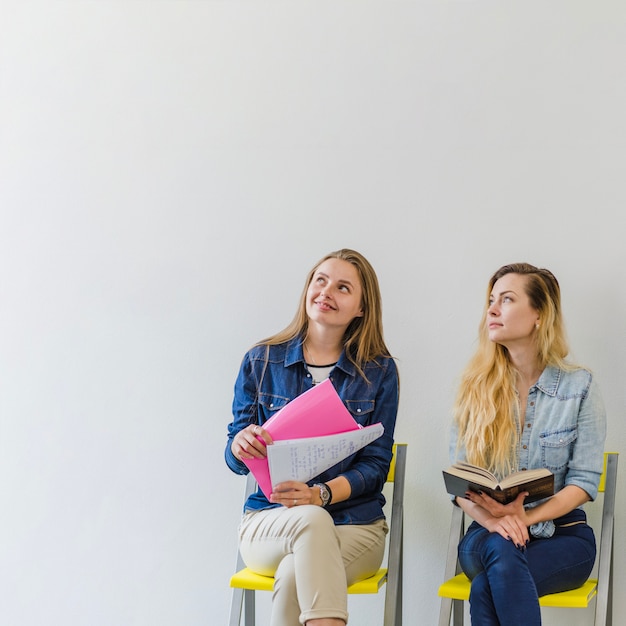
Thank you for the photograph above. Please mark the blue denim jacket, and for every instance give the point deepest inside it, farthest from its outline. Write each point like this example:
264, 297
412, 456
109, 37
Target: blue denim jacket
564, 430
286, 377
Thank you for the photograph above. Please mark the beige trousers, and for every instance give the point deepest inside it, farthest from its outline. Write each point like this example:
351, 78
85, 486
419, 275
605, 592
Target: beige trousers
311, 559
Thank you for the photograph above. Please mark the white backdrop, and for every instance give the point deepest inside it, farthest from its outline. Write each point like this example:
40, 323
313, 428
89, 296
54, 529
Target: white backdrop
170, 170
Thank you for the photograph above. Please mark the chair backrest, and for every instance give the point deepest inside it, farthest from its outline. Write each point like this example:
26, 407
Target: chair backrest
391, 476
603, 478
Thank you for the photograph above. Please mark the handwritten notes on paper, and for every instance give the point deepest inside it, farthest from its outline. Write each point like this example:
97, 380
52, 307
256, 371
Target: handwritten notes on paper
303, 459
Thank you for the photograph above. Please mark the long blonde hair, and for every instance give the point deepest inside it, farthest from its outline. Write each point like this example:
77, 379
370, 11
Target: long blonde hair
486, 405
363, 340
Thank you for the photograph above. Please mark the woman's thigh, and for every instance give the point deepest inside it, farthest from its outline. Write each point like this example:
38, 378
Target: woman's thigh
564, 561
362, 548
266, 536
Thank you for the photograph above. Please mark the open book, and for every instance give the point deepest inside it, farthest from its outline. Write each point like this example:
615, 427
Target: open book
311, 433
463, 477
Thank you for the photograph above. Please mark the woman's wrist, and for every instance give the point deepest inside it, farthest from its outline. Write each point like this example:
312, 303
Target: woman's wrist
324, 494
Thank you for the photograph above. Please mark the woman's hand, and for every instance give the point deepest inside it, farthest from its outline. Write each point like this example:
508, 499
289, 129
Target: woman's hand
508, 520
294, 493
495, 508
247, 445
510, 527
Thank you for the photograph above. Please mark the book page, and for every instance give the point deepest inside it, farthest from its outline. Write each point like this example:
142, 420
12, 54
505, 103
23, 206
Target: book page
475, 469
524, 476
471, 477
303, 459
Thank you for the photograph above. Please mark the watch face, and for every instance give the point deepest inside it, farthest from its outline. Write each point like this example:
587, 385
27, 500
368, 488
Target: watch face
324, 495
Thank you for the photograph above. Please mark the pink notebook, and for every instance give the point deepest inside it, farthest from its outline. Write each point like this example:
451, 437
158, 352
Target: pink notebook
318, 411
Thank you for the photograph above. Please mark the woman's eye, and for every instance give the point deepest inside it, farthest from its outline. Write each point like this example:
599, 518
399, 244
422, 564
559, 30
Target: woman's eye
345, 288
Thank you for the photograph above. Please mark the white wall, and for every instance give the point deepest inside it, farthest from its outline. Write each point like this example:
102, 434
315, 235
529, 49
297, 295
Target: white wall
169, 171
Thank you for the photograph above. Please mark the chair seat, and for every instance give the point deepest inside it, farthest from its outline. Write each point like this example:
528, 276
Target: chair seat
458, 588
247, 579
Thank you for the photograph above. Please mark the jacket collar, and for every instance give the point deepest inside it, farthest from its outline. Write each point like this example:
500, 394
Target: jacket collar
549, 380
294, 354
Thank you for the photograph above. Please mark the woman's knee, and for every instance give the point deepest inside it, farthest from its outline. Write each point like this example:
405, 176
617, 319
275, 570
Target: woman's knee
501, 552
314, 519
490, 551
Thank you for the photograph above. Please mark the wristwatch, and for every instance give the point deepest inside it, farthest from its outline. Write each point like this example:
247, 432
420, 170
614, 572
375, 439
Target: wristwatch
326, 495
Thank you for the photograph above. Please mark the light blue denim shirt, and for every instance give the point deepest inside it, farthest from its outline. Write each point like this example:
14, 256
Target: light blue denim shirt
259, 395
564, 430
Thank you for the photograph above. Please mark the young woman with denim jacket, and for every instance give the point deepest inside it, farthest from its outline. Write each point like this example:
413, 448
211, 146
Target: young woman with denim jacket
521, 405
314, 547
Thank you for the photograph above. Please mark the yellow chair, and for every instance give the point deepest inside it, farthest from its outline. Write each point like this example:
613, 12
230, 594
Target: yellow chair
456, 587
245, 582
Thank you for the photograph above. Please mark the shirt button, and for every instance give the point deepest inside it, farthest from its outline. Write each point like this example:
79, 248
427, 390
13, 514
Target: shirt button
525, 447
358, 410
528, 425
532, 404
271, 405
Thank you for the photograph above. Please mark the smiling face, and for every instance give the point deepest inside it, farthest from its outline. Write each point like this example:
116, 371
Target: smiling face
334, 295
511, 320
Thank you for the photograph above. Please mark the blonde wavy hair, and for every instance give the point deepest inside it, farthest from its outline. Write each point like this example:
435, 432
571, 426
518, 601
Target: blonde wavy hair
363, 339
486, 405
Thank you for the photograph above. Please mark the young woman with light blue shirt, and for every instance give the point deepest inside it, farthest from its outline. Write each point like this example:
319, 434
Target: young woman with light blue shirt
522, 405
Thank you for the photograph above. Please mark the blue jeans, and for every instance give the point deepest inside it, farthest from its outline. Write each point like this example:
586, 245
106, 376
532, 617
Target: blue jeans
507, 581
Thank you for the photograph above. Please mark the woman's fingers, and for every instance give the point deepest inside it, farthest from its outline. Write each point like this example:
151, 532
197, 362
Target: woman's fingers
511, 528
292, 493
250, 443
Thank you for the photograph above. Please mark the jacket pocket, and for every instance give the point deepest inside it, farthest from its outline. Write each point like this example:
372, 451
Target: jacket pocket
556, 447
361, 410
270, 403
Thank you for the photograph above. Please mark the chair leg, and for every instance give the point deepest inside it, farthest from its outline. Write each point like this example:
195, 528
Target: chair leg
604, 601
249, 608
451, 609
242, 598
399, 597
458, 610
609, 608
445, 611
393, 591
236, 603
